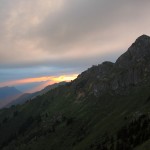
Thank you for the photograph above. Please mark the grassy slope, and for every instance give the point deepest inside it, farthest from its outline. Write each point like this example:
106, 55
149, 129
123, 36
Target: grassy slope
92, 117
144, 146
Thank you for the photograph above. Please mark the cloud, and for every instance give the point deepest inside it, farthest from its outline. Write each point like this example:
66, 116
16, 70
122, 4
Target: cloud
62, 33
37, 83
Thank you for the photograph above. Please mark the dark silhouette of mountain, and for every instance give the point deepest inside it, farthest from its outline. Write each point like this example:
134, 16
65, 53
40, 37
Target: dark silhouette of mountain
132, 68
29, 96
6, 92
105, 108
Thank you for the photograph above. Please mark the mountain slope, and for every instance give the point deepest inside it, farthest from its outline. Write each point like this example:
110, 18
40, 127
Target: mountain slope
132, 68
106, 107
28, 96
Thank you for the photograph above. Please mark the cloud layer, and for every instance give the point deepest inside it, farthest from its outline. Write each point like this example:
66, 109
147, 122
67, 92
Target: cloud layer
37, 83
53, 32
56, 37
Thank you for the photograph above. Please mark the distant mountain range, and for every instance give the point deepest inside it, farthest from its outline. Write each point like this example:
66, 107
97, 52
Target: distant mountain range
106, 108
29, 96
7, 94
11, 96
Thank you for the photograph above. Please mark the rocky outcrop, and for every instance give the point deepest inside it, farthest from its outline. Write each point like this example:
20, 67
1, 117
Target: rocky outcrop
139, 52
131, 69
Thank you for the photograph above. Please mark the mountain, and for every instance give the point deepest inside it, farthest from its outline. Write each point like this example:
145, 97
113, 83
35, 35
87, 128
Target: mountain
105, 108
29, 96
130, 69
49, 87
7, 94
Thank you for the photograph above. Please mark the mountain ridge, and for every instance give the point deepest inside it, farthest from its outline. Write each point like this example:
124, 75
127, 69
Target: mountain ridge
105, 108
6, 91
7, 94
128, 70
29, 96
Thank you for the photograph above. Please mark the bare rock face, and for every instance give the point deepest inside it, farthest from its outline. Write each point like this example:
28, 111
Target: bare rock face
131, 69
139, 52
136, 61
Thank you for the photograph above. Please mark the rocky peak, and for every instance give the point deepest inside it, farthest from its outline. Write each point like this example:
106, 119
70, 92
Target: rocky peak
101, 69
131, 69
143, 39
139, 51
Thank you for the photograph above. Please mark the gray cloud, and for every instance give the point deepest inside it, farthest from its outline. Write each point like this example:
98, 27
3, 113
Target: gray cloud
70, 33
91, 24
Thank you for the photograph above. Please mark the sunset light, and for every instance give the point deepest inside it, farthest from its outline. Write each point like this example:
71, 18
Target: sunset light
46, 80
64, 78
74, 75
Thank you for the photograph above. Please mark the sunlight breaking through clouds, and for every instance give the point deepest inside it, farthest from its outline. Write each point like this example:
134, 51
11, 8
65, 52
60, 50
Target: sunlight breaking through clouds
65, 36
46, 79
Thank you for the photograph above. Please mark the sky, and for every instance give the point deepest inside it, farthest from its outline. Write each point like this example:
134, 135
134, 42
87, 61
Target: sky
48, 41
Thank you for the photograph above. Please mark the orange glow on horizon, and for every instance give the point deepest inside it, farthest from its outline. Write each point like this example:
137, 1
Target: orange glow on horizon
48, 79
64, 78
